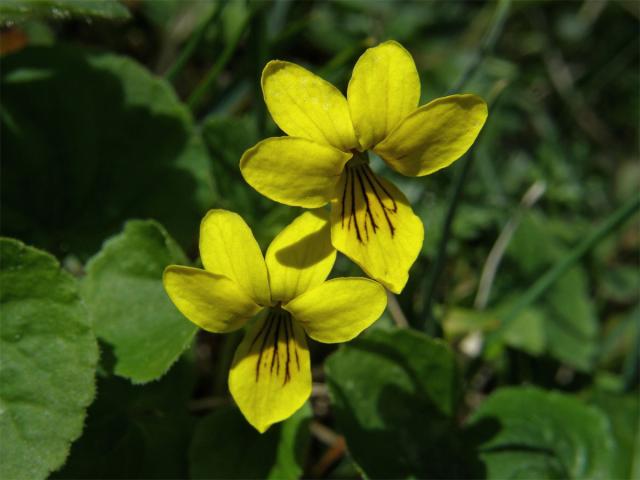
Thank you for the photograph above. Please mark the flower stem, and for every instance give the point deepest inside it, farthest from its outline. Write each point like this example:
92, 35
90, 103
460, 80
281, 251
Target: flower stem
396, 312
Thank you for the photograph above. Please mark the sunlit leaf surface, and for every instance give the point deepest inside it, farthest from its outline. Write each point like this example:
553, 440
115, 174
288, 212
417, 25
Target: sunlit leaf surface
48, 356
395, 394
527, 432
129, 307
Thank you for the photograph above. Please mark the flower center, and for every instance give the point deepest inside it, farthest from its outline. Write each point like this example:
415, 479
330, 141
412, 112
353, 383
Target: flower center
359, 158
276, 333
367, 205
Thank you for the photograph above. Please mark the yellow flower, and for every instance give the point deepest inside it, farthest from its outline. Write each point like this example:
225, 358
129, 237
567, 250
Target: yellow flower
271, 374
324, 157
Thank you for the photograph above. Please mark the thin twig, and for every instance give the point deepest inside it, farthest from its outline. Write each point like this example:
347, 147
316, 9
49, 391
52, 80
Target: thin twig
319, 390
324, 433
336, 450
494, 258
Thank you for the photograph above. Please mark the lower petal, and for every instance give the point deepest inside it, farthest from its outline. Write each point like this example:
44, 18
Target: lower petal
373, 224
271, 373
339, 309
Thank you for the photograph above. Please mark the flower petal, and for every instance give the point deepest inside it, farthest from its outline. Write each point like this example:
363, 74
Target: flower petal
293, 170
227, 247
301, 256
271, 373
384, 88
213, 302
304, 105
435, 135
339, 309
372, 223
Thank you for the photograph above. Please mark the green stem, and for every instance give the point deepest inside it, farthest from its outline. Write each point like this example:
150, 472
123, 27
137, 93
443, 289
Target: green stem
614, 221
186, 53
259, 43
632, 363
342, 57
488, 44
425, 313
215, 70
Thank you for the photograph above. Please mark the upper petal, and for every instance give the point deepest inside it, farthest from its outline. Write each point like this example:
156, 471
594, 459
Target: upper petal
384, 88
227, 247
271, 373
338, 310
301, 256
435, 135
372, 223
294, 171
304, 105
213, 302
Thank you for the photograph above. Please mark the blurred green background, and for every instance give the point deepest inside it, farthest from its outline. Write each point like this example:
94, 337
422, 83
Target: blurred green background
521, 355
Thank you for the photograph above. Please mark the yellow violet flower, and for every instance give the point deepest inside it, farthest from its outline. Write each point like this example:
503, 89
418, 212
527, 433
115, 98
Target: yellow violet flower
324, 157
270, 377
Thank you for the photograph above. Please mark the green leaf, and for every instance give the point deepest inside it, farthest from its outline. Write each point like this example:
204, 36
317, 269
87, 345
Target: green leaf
571, 324
620, 339
621, 284
528, 332
20, 10
136, 431
48, 356
226, 446
234, 20
624, 414
130, 309
458, 322
530, 433
394, 395
533, 247
566, 325
90, 140
165, 15
473, 221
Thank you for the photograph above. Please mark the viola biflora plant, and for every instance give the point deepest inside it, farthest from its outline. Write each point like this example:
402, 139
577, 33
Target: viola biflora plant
522, 367
324, 159
287, 295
